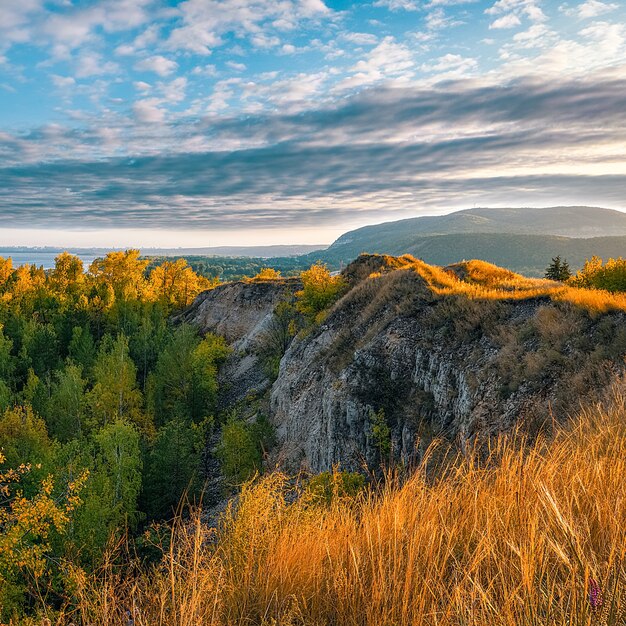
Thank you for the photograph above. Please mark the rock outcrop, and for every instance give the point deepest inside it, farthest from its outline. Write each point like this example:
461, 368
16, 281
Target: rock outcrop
428, 364
242, 313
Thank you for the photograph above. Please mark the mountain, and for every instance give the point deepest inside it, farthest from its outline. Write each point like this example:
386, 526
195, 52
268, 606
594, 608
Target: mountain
521, 239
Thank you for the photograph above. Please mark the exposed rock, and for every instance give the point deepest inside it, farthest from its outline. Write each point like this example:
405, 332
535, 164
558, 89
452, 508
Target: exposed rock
435, 364
242, 313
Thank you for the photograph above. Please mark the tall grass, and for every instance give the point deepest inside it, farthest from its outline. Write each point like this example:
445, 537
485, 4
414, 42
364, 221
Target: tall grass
479, 280
511, 535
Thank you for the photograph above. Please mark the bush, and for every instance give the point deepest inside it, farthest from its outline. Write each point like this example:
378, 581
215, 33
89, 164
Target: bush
320, 290
327, 487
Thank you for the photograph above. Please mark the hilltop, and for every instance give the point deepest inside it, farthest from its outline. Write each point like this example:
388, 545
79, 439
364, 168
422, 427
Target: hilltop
521, 239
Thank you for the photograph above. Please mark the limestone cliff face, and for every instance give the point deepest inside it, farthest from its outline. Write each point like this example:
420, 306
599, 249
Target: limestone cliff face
242, 313
435, 365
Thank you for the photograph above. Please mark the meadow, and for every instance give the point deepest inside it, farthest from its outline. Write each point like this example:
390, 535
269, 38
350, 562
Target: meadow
521, 534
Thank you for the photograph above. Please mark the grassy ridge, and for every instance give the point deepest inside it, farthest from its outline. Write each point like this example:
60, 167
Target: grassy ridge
509, 539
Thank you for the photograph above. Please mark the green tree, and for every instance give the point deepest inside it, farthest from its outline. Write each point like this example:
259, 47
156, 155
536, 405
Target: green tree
24, 441
184, 383
241, 447
173, 466
115, 394
7, 367
558, 270
82, 348
66, 407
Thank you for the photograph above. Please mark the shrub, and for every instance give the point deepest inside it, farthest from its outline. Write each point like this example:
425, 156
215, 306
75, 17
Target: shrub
319, 291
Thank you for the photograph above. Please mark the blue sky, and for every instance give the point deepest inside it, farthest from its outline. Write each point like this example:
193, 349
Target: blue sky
213, 122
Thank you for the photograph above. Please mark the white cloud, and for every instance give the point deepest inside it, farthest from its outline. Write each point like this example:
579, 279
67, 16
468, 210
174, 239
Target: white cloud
527, 8
508, 21
158, 64
438, 20
450, 62
205, 22
594, 8
92, 64
360, 39
140, 85
147, 111
388, 59
397, 5
62, 82
238, 67
174, 91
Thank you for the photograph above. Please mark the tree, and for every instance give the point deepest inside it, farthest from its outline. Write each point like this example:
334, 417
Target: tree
175, 284
28, 525
82, 348
66, 407
184, 383
67, 277
115, 394
7, 367
124, 272
558, 270
319, 290
173, 466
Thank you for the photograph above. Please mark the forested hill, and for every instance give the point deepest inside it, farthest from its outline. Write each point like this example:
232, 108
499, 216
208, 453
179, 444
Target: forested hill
521, 239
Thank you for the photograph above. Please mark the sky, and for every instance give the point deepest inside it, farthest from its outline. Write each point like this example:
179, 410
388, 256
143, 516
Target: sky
244, 122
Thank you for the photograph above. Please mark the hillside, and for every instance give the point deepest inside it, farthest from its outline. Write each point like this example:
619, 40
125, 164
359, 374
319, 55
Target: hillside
474, 349
520, 239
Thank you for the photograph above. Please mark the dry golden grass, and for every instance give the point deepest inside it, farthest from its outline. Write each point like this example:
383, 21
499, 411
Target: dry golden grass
479, 280
507, 539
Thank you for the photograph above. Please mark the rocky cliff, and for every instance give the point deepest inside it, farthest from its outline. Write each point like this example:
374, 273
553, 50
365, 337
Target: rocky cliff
427, 362
243, 313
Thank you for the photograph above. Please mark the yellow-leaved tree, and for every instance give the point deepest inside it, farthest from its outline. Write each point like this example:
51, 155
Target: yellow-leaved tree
27, 528
320, 289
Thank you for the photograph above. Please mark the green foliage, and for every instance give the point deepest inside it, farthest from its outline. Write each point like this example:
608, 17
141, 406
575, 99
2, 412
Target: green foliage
326, 487
381, 433
241, 448
118, 464
610, 276
115, 394
77, 351
285, 323
558, 269
173, 466
67, 405
82, 349
184, 382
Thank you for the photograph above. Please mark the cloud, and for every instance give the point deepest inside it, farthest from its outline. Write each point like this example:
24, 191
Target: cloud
158, 64
388, 60
508, 21
91, 64
382, 150
450, 62
516, 8
62, 82
203, 24
591, 9
398, 5
147, 111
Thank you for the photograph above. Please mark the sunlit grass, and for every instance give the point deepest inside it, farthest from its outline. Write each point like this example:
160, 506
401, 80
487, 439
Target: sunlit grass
479, 280
507, 538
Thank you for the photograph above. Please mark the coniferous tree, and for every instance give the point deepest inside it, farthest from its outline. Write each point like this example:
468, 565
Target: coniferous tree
558, 269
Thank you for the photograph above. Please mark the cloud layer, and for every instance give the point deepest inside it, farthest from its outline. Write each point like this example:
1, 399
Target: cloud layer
223, 115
